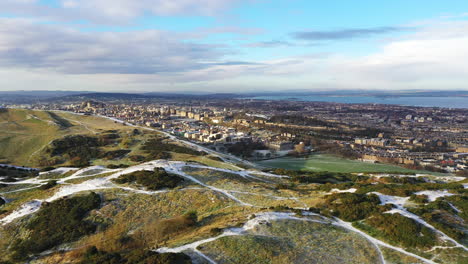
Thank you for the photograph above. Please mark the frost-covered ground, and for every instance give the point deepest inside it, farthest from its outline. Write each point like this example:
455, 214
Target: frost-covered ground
399, 203
239, 196
177, 167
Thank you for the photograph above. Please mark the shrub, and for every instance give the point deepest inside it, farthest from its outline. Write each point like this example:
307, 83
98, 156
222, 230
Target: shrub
157, 149
78, 149
317, 177
119, 166
94, 256
419, 198
57, 222
48, 185
136, 158
49, 168
153, 180
353, 206
402, 230
9, 179
115, 154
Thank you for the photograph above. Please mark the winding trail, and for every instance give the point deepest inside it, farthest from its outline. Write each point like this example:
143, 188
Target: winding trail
398, 202
176, 167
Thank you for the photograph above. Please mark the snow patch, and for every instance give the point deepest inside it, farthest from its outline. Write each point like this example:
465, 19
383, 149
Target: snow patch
433, 195
26, 209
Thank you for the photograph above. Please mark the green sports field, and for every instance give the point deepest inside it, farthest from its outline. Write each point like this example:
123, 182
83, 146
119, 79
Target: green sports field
322, 162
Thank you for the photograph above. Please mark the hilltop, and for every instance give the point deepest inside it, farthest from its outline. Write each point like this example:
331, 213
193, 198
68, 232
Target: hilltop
136, 195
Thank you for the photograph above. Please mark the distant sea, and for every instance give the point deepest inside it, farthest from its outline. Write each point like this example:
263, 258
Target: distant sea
448, 102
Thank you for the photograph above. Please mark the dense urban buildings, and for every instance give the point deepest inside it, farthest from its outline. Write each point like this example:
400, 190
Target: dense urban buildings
416, 137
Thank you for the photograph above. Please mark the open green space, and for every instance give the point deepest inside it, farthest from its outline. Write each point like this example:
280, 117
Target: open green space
324, 162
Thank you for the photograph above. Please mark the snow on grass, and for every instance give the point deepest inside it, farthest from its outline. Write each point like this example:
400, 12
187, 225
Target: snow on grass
399, 204
390, 199
26, 209
174, 167
434, 195
259, 219
351, 190
61, 170
378, 243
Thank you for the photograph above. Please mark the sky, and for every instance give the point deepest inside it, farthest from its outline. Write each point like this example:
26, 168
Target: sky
222, 46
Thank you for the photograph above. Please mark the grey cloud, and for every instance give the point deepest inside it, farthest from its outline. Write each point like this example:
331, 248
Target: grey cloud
345, 33
235, 63
113, 11
69, 51
269, 44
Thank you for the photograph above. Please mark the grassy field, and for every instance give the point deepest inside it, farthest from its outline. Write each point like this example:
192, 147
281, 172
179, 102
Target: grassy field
322, 162
24, 134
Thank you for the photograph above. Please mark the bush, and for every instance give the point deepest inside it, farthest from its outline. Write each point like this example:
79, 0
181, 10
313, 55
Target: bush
56, 223
353, 206
49, 168
157, 149
153, 180
119, 166
78, 149
9, 179
403, 230
317, 177
245, 149
407, 189
440, 214
137, 158
419, 198
94, 256
115, 154
48, 185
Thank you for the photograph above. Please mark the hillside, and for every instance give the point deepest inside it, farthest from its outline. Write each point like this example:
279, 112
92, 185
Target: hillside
25, 134
163, 200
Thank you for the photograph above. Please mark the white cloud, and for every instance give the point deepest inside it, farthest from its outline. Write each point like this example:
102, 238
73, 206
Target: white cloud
434, 57
66, 50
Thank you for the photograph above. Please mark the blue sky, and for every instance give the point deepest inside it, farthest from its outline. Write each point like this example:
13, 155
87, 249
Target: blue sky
232, 45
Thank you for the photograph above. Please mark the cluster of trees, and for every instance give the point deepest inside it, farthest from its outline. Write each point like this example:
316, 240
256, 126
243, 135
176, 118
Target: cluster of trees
245, 149
152, 180
400, 230
95, 256
156, 148
56, 223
